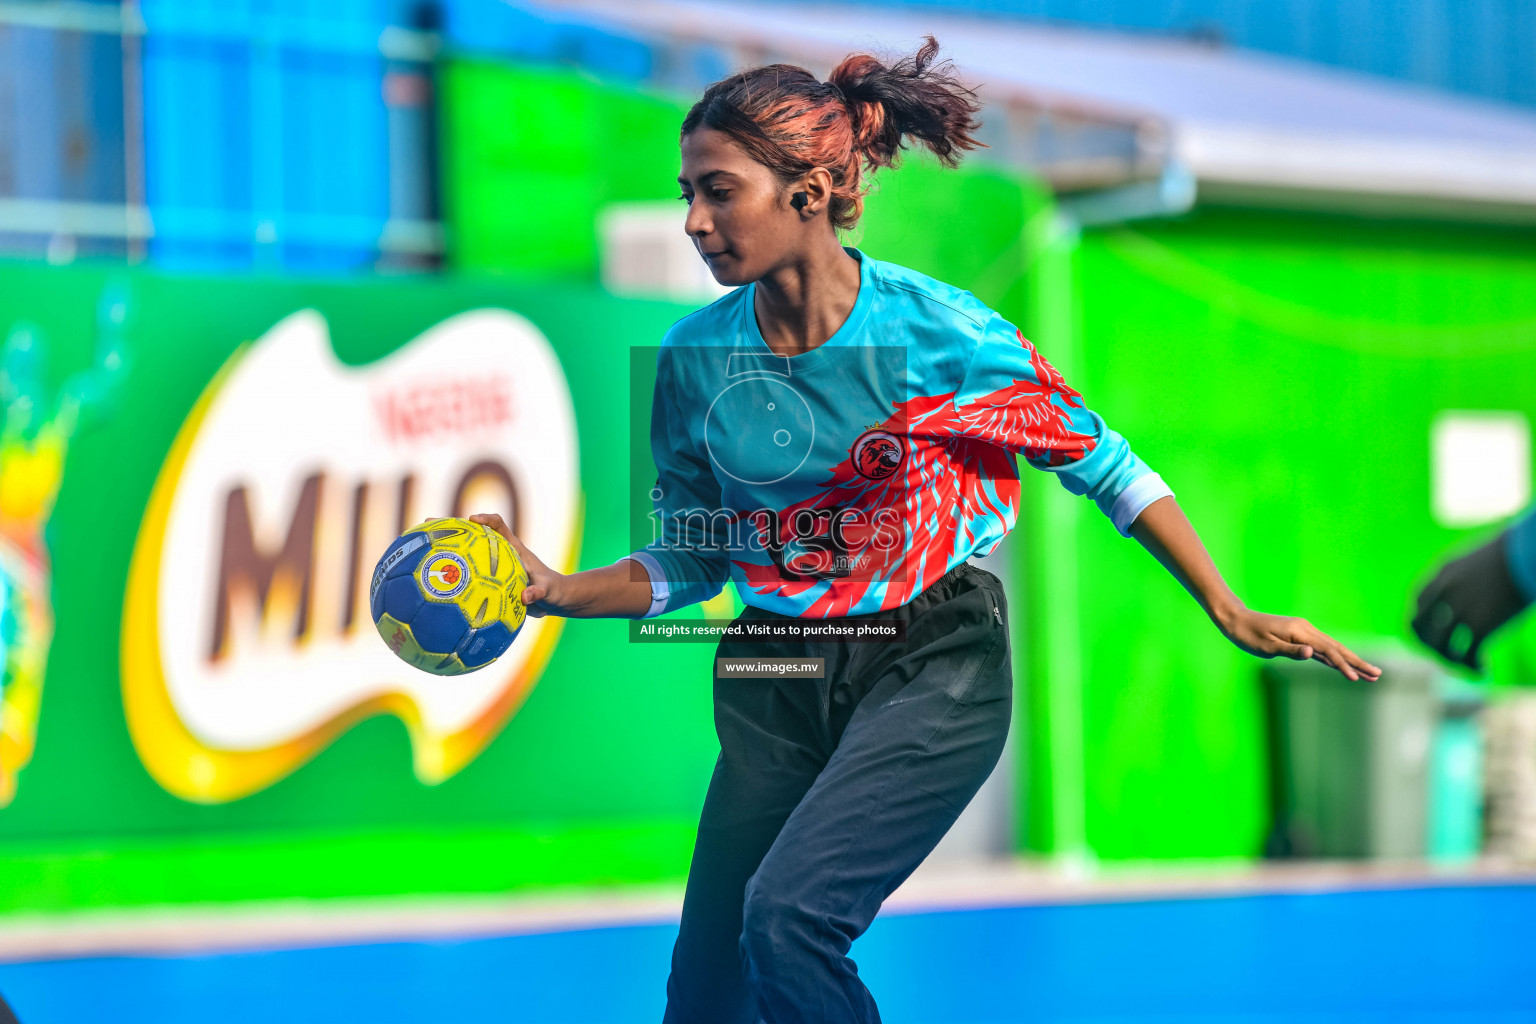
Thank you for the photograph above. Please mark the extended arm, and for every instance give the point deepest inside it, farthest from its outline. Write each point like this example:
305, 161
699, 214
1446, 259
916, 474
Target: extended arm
691, 566
1164, 530
618, 591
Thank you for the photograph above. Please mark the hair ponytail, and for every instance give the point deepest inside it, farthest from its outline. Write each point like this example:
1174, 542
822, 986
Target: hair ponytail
913, 97
851, 125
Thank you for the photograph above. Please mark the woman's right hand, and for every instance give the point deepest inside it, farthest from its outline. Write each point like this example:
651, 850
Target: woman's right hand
545, 589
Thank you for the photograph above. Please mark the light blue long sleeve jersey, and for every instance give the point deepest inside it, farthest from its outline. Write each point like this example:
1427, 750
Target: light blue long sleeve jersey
846, 479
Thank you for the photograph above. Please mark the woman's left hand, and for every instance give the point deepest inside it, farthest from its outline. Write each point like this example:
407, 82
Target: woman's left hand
1285, 636
1165, 531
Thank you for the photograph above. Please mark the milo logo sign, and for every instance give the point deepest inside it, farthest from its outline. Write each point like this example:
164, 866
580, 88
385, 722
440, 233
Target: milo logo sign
247, 644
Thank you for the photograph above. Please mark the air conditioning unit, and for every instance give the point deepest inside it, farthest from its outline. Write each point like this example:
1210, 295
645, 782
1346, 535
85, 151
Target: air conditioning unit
646, 254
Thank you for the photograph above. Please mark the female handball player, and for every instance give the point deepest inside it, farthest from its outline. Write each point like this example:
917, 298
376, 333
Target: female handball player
837, 436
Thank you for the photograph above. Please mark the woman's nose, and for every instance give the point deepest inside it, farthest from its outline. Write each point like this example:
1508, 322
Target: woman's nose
696, 224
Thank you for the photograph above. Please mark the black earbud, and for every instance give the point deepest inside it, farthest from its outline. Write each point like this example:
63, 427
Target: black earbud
798, 200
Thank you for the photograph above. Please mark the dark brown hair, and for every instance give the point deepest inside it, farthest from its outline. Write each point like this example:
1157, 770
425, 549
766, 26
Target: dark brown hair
852, 124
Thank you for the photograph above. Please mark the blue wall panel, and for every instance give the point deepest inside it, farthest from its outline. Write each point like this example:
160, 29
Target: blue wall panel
61, 115
335, 158
61, 131
198, 151
266, 135
29, 150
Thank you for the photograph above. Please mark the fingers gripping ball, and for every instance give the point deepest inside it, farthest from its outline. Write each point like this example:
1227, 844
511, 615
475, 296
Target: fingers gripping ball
448, 596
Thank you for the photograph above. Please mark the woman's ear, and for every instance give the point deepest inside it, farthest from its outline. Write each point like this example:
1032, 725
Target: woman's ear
816, 187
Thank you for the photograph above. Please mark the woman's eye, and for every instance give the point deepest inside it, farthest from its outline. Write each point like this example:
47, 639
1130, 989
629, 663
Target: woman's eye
685, 197
719, 194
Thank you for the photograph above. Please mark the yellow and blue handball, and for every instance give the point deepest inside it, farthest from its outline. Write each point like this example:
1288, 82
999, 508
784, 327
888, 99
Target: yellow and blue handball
448, 596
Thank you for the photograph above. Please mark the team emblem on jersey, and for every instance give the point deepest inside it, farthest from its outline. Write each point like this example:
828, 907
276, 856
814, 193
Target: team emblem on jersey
877, 454
445, 575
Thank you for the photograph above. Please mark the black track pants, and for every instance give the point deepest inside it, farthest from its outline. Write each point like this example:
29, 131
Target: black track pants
827, 794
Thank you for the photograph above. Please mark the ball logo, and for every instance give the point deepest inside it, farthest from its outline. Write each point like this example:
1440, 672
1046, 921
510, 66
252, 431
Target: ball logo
444, 576
877, 454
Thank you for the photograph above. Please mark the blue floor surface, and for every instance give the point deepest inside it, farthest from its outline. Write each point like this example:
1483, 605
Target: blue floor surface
1431, 954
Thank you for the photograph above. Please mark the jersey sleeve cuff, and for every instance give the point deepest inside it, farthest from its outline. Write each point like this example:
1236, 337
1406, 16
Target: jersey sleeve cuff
1132, 501
660, 591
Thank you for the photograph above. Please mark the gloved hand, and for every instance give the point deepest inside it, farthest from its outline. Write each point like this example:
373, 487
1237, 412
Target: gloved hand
1468, 599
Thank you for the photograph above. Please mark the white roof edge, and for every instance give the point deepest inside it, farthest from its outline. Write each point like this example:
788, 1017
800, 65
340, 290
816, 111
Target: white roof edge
1230, 154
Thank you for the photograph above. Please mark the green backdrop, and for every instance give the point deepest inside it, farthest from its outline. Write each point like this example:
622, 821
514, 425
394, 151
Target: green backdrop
599, 776
1281, 372
531, 153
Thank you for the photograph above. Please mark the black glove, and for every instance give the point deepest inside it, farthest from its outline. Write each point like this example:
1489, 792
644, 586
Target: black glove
1468, 599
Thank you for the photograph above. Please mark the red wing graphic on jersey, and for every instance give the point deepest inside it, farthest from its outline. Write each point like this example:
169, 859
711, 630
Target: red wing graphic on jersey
1024, 418
957, 470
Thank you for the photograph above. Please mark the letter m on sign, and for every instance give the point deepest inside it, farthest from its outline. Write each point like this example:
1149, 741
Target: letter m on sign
262, 584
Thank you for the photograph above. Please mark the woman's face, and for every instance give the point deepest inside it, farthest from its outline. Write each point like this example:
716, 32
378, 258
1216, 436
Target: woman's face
739, 215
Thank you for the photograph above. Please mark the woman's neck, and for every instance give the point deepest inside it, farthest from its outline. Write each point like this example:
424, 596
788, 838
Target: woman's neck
800, 306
